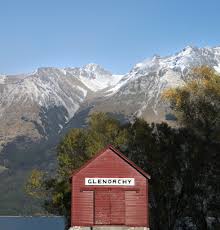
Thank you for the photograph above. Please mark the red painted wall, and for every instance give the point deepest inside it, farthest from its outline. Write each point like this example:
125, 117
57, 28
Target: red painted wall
109, 205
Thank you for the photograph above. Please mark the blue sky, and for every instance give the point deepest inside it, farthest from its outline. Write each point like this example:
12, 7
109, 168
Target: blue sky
113, 33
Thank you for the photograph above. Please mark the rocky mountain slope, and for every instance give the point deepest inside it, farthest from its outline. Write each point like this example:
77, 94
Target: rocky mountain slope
139, 91
39, 104
37, 108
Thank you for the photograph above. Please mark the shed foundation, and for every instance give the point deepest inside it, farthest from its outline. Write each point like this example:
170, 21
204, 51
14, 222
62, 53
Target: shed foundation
108, 228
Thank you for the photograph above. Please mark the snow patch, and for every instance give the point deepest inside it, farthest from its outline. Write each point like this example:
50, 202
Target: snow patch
2, 79
217, 68
83, 90
100, 82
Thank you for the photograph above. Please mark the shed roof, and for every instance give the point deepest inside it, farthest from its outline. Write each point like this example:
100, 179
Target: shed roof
131, 163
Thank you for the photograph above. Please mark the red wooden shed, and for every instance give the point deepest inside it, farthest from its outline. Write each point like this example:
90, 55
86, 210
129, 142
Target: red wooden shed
110, 190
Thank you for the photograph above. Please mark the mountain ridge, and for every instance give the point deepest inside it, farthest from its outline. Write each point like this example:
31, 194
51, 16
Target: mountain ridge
35, 97
38, 108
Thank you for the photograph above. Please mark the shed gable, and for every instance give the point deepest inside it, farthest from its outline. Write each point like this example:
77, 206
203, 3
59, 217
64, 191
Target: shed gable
110, 190
111, 158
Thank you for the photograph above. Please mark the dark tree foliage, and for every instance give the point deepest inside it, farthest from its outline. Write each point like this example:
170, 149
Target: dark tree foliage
183, 162
184, 173
183, 168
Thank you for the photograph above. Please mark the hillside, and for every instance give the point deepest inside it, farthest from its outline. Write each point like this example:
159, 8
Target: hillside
38, 108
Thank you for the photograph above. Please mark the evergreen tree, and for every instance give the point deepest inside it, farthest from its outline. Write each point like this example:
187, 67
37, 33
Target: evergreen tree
78, 146
183, 161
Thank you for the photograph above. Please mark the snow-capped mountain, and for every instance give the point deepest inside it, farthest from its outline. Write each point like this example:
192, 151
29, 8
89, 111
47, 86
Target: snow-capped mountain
139, 91
36, 109
181, 62
39, 104
94, 77
42, 102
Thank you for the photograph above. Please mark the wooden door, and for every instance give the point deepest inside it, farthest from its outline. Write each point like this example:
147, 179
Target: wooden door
109, 207
102, 208
117, 199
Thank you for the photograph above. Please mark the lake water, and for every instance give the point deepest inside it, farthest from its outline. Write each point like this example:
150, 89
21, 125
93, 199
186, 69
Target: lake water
31, 223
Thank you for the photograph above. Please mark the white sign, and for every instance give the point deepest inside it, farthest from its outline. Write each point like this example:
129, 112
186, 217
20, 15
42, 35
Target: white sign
110, 181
